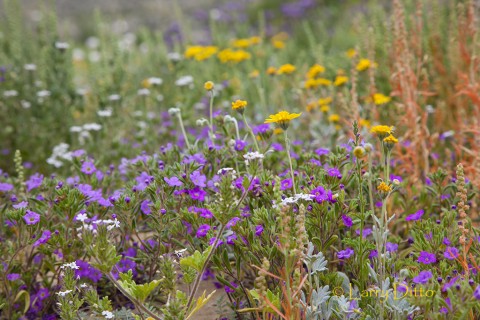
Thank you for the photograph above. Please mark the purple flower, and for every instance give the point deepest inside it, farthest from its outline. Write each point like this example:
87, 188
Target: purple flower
261, 129
232, 222
143, 180
426, 257
229, 289
347, 221
423, 277
21, 205
34, 181
476, 293
88, 167
43, 238
277, 146
258, 230
345, 254
202, 230
320, 194
450, 253
286, 184
145, 207
43, 294
5, 187
334, 172
204, 213
391, 247
173, 182
416, 216
13, 276
85, 270
365, 233
198, 179
240, 145
197, 194
449, 284
231, 239
322, 151
31, 217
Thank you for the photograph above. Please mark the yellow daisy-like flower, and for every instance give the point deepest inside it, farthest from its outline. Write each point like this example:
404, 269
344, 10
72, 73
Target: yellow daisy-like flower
380, 99
235, 56
311, 106
311, 84
390, 139
383, 187
271, 71
324, 108
351, 53
315, 70
277, 44
209, 85
323, 82
324, 101
239, 104
382, 130
364, 64
146, 83
277, 131
286, 69
334, 118
254, 74
282, 118
340, 80
364, 123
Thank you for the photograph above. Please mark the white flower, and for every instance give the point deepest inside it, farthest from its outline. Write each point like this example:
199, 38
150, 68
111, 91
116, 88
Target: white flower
81, 91
71, 265
107, 314
114, 224
202, 122
173, 111
184, 81
155, 81
30, 67
83, 285
76, 129
81, 217
43, 93
174, 56
105, 113
92, 127
249, 156
10, 93
92, 42
114, 97
226, 170
64, 293
25, 104
143, 92
295, 198
61, 45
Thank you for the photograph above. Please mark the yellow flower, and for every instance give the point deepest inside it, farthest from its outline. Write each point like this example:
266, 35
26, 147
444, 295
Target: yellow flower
383, 187
315, 70
200, 53
255, 40
323, 82
380, 99
334, 118
364, 64
381, 130
278, 44
359, 152
146, 83
282, 118
209, 85
351, 53
254, 74
241, 43
311, 106
311, 84
286, 69
277, 131
271, 71
239, 104
325, 108
364, 123
390, 139
340, 80
323, 101
235, 56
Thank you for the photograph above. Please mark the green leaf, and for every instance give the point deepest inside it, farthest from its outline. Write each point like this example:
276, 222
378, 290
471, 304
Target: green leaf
26, 299
201, 301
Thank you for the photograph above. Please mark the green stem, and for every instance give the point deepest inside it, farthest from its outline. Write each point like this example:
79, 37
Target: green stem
211, 115
287, 146
183, 130
251, 132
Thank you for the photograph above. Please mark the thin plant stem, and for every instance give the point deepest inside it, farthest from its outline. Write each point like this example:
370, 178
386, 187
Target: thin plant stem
251, 132
211, 115
287, 146
179, 115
